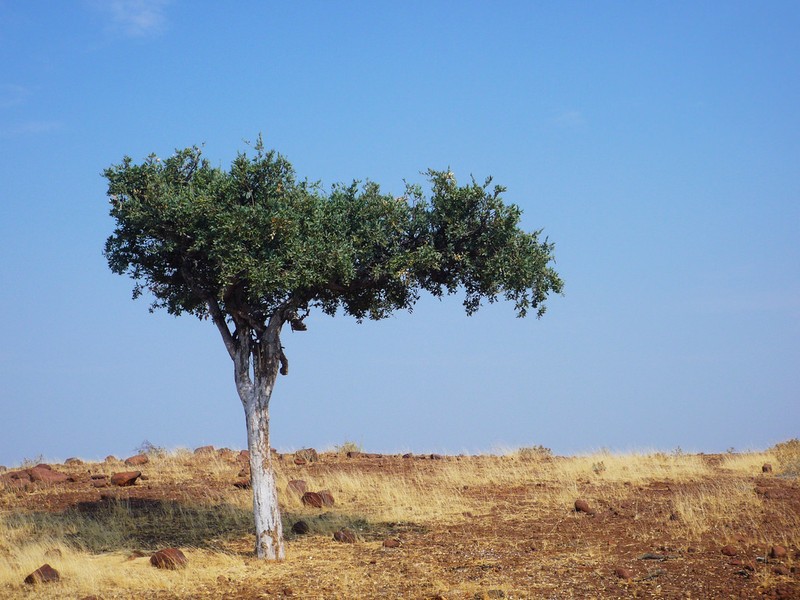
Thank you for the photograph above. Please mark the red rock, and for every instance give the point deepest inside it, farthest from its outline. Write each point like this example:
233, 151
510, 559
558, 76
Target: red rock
728, 550
43, 574
125, 479
111, 458
73, 461
583, 506
299, 461
168, 558
298, 486
777, 552
391, 543
355, 454
205, 450
345, 536
99, 483
782, 570
312, 499
243, 484
327, 498
139, 459
244, 473
244, 455
46, 475
437, 457
623, 573
43, 466
766, 468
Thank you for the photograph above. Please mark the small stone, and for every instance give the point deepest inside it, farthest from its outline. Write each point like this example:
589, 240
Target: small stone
782, 570
312, 499
766, 468
125, 479
244, 455
583, 506
354, 454
139, 459
168, 558
436, 457
44, 574
205, 450
623, 573
728, 550
777, 552
73, 461
345, 536
111, 458
300, 461
300, 528
99, 483
298, 486
408, 455
391, 543
327, 498
287, 591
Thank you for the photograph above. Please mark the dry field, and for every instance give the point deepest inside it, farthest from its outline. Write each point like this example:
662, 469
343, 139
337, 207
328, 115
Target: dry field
492, 526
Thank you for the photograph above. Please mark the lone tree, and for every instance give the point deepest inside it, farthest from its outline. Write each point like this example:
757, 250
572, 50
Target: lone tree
253, 248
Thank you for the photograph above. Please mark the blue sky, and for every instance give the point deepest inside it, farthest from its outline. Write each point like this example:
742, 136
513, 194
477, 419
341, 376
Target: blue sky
656, 143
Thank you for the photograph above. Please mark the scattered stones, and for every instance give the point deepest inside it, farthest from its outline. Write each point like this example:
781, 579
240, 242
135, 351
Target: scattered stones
777, 552
345, 536
766, 468
327, 498
44, 574
300, 528
135, 461
623, 573
312, 499
168, 558
298, 486
125, 479
205, 450
582, 506
729, 550
73, 461
391, 543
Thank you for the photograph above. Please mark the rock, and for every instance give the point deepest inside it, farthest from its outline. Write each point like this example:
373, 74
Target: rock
44, 574
728, 550
408, 455
244, 473
766, 468
244, 455
354, 454
312, 499
437, 457
777, 552
125, 479
111, 458
300, 528
345, 536
243, 484
782, 570
46, 475
391, 543
73, 461
168, 558
582, 506
300, 461
135, 461
205, 450
623, 573
298, 486
327, 498
309, 454
43, 466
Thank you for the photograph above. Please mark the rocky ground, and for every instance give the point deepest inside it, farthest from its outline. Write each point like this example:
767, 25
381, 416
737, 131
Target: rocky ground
497, 527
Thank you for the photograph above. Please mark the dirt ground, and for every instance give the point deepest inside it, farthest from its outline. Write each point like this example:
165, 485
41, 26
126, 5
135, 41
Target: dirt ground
505, 537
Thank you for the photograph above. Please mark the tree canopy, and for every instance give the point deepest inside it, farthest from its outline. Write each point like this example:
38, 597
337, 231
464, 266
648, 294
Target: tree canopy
255, 239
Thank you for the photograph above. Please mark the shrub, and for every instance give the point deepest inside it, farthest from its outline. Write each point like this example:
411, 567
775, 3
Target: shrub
348, 446
788, 456
534, 452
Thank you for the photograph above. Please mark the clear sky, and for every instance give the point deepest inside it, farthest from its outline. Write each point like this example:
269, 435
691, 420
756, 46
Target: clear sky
656, 143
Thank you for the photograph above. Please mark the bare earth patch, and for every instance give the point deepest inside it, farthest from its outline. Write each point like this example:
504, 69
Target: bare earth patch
423, 527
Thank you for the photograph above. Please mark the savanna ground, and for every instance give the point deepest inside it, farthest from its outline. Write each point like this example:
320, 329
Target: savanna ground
490, 526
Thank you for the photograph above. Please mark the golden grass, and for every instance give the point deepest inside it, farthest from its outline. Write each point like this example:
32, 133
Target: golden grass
212, 522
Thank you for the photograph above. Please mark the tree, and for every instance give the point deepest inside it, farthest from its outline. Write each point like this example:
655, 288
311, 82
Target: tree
253, 248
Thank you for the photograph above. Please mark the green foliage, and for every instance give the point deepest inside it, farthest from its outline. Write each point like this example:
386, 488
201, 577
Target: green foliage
255, 240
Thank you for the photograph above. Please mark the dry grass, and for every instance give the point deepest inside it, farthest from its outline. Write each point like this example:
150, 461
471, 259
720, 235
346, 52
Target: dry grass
199, 510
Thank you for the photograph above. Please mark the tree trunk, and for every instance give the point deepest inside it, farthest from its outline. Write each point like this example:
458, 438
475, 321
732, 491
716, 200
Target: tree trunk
269, 531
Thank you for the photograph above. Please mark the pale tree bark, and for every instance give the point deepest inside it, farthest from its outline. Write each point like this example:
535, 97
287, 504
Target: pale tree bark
257, 360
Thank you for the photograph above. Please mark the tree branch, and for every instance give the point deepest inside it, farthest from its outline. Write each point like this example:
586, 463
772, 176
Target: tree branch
219, 321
